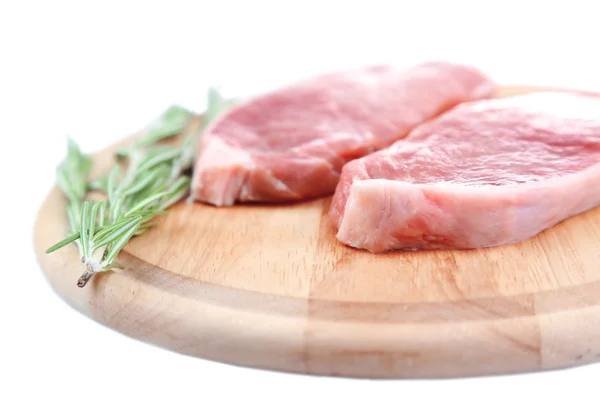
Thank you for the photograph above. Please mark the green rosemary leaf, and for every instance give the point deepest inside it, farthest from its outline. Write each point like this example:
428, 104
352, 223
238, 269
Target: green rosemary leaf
180, 183
147, 225
177, 192
188, 151
116, 210
119, 243
155, 159
98, 184
146, 179
74, 154
114, 234
101, 214
108, 230
150, 214
154, 150
160, 184
72, 172
63, 243
123, 152
144, 203
140, 231
111, 182
170, 123
65, 185
115, 264
84, 230
92, 216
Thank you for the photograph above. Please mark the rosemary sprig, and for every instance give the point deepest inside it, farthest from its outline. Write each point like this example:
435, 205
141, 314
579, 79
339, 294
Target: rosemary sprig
153, 181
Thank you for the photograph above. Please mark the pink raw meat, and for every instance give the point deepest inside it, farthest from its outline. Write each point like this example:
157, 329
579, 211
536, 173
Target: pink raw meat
291, 144
487, 173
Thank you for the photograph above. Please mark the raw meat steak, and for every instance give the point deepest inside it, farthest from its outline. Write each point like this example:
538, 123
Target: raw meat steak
291, 144
487, 173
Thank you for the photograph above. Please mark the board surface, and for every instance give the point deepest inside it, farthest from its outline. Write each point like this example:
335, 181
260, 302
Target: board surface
270, 287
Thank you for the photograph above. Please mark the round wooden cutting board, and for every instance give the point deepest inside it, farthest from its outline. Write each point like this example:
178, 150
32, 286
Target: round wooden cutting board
271, 287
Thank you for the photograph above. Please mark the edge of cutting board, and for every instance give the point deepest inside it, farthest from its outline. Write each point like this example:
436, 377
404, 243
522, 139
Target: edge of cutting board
363, 339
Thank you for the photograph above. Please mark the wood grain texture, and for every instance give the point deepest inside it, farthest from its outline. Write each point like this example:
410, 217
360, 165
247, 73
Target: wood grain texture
270, 287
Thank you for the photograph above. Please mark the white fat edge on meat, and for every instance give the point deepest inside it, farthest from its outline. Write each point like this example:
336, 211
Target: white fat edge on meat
219, 154
347, 231
343, 228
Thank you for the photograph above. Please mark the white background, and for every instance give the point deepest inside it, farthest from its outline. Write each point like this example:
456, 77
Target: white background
99, 72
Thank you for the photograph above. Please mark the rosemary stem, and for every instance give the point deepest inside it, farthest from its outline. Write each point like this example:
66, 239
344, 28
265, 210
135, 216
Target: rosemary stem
85, 277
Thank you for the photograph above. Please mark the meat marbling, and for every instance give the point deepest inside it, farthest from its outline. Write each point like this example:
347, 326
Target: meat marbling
484, 174
292, 143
